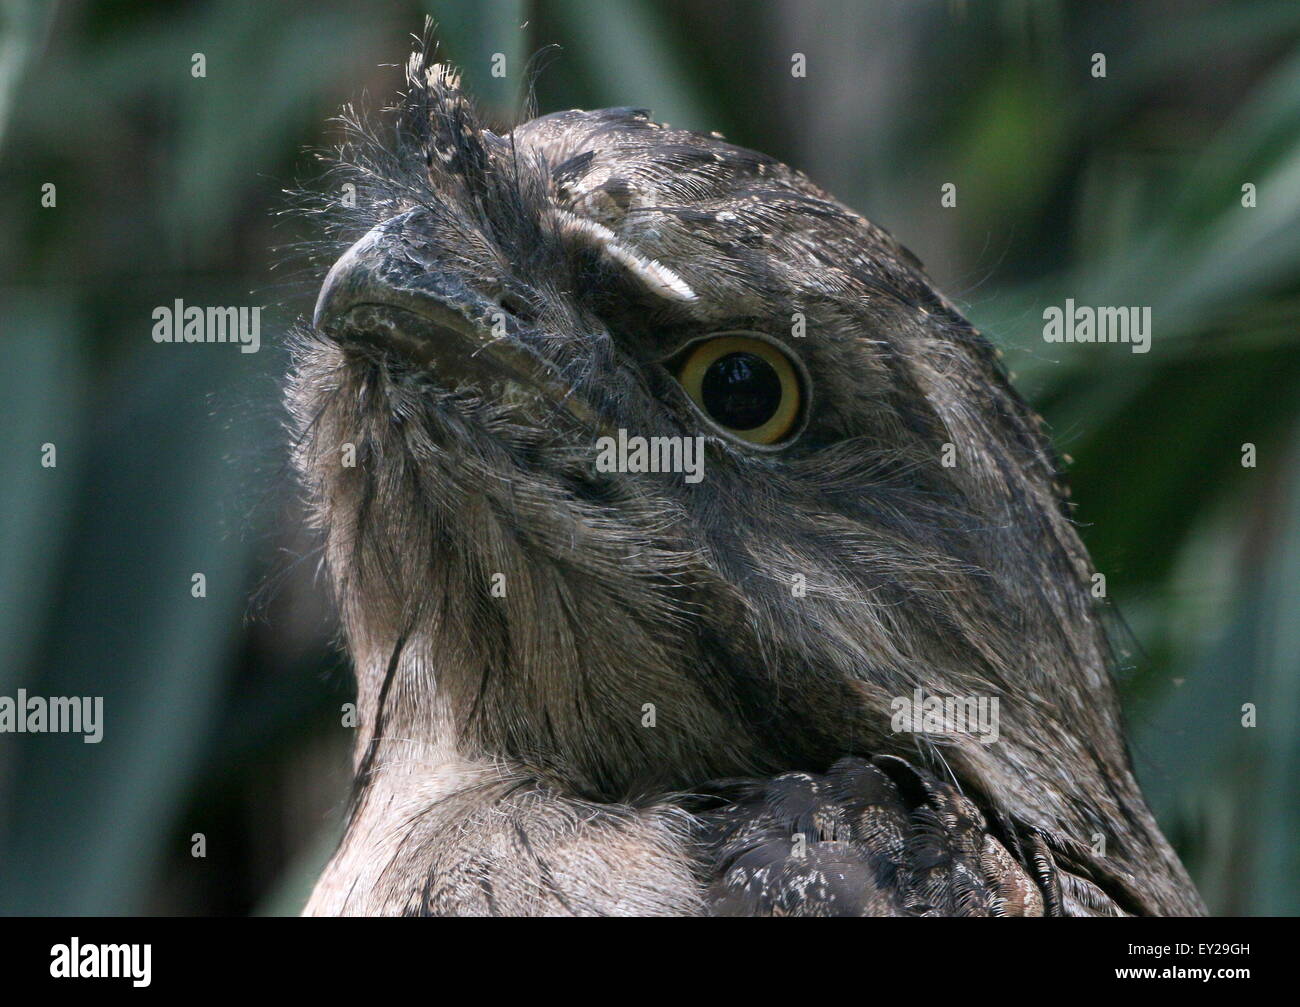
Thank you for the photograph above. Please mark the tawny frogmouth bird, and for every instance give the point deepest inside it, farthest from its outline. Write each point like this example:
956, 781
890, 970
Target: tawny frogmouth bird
585, 691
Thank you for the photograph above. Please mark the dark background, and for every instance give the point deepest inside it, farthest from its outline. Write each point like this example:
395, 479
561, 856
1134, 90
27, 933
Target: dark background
222, 713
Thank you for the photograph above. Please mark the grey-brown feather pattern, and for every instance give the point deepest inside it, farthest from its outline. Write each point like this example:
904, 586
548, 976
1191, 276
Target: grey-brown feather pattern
862, 839
505, 762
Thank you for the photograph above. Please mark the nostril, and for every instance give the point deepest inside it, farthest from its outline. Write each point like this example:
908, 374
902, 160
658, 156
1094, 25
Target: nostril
517, 304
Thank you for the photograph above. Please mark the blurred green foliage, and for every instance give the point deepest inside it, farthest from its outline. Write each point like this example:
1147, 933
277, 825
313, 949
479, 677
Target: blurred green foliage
222, 713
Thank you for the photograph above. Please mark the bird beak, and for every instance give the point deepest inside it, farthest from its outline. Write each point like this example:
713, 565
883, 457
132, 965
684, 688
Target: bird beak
389, 291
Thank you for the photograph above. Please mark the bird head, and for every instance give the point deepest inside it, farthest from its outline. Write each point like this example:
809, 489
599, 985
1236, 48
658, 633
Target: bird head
857, 503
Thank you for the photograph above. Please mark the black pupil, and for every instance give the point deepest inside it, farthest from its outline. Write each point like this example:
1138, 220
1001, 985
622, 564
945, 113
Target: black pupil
741, 391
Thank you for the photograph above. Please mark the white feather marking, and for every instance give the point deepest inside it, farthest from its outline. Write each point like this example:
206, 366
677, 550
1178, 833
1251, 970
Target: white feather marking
655, 275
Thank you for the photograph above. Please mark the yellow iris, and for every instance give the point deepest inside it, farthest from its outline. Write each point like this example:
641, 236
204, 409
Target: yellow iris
774, 403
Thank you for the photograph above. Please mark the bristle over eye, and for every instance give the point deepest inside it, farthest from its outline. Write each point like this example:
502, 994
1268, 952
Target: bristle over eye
655, 276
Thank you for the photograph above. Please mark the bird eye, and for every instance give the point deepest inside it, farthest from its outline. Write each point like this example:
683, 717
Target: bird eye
747, 386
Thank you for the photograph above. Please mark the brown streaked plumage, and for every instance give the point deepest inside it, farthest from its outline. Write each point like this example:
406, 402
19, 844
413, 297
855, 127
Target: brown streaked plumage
648, 720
